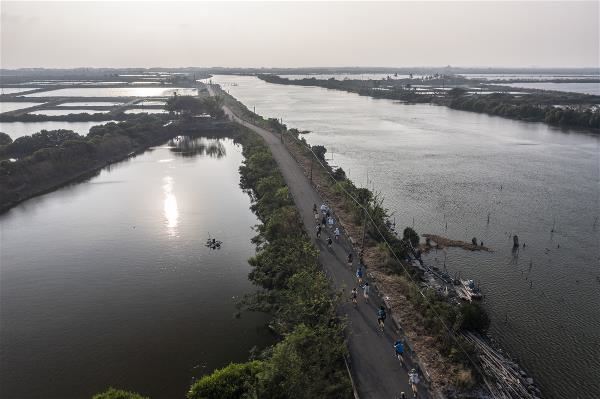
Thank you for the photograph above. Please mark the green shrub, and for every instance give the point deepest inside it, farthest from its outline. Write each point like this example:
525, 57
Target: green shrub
113, 393
236, 381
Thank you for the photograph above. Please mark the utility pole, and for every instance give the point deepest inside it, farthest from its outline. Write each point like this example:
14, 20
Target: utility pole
362, 245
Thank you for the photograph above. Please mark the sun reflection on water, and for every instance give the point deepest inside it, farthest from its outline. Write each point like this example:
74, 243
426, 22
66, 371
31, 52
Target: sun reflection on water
170, 207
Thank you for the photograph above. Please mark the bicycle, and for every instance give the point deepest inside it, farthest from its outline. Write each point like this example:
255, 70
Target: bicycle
381, 318
413, 380
399, 351
354, 295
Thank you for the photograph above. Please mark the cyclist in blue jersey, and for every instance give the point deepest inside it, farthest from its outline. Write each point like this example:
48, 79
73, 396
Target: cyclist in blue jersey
381, 317
399, 349
359, 275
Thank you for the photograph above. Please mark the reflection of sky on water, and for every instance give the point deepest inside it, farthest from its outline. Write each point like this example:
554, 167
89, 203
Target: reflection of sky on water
170, 207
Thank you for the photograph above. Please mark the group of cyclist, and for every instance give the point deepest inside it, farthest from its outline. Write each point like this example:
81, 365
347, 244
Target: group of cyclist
413, 375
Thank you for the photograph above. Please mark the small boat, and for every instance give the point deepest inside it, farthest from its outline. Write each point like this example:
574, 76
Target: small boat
468, 291
213, 243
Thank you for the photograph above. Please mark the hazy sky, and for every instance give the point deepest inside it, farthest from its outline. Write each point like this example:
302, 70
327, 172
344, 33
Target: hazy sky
169, 34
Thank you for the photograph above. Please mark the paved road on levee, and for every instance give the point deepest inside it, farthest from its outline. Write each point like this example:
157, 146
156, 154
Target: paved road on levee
375, 370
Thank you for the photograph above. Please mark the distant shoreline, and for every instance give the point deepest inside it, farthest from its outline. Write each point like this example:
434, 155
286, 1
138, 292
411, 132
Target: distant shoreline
567, 110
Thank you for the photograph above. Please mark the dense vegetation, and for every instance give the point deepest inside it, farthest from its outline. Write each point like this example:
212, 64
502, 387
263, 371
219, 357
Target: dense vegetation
555, 108
187, 106
528, 109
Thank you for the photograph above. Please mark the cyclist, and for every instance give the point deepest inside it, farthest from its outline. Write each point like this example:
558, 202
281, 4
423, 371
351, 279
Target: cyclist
381, 317
329, 241
413, 380
336, 232
366, 291
353, 295
350, 258
399, 347
359, 275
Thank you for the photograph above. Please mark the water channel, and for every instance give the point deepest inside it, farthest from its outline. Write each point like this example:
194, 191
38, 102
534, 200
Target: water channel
436, 166
108, 282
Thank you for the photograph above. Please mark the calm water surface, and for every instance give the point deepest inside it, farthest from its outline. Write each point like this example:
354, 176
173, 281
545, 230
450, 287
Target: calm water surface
108, 282
19, 129
12, 90
585, 88
117, 92
146, 111
13, 106
91, 104
438, 165
68, 111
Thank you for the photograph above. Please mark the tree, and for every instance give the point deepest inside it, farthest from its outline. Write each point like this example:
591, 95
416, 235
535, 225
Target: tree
474, 317
231, 382
5, 139
184, 105
214, 106
339, 174
27, 145
113, 393
457, 92
411, 236
319, 151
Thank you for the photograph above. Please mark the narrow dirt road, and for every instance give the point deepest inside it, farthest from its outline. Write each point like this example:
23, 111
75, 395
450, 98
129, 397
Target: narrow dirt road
375, 370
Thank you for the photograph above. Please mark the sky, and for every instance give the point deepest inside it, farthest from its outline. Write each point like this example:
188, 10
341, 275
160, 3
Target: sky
299, 34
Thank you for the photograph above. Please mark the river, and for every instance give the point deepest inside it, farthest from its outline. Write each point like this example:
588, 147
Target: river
434, 165
108, 282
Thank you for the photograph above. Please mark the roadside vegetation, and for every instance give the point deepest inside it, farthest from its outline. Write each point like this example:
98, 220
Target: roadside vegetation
572, 110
